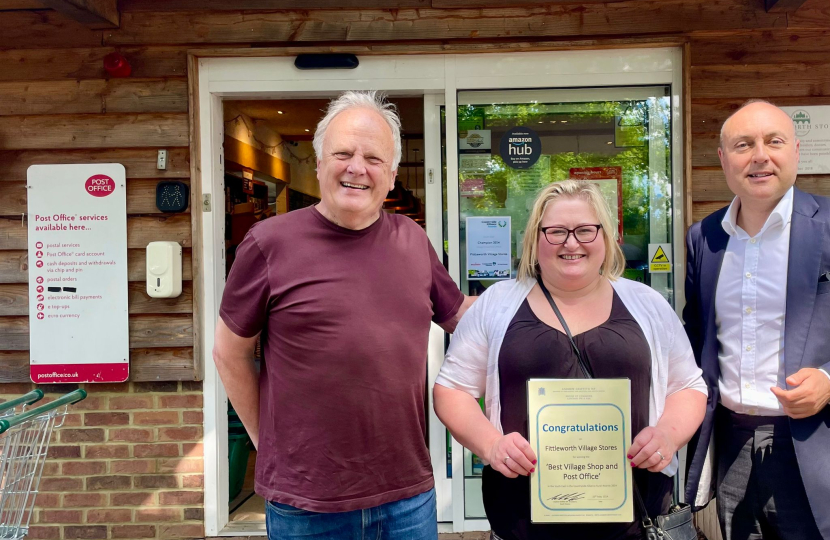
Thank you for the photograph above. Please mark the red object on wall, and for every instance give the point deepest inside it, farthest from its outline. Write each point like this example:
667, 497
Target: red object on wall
116, 65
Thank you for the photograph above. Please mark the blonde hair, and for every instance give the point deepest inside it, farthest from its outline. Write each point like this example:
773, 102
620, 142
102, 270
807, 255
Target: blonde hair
614, 263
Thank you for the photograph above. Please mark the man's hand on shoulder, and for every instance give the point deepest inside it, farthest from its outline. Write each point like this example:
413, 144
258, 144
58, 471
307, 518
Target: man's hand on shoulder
810, 394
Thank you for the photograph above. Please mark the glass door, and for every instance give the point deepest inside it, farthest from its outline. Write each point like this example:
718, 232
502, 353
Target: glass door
512, 143
474, 90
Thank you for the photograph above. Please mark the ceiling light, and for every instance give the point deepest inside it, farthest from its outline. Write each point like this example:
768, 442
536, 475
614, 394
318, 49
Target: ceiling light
308, 130
610, 142
553, 121
279, 112
564, 121
541, 122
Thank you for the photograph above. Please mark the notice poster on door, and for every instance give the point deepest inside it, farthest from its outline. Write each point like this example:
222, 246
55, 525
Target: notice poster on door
488, 247
78, 328
474, 164
472, 187
609, 180
474, 140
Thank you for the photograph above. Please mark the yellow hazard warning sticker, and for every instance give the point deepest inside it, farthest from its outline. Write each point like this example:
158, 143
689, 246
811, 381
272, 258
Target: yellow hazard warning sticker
659, 258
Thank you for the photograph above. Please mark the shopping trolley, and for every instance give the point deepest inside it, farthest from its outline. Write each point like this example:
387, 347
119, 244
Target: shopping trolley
24, 439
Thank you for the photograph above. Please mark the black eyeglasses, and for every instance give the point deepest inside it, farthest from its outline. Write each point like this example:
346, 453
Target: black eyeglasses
584, 234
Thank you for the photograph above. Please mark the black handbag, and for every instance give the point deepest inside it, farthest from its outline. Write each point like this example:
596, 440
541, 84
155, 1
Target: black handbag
677, 524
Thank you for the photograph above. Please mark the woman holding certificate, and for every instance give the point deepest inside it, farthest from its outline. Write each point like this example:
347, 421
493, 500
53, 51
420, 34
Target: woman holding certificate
620, 329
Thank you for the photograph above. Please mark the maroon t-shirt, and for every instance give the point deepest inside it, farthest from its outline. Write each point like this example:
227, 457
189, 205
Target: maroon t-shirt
345, 322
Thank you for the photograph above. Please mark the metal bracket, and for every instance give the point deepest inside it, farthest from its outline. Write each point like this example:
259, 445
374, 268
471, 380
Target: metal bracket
206, 202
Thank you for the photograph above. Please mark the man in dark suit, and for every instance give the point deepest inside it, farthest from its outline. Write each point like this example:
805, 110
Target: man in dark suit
758, 317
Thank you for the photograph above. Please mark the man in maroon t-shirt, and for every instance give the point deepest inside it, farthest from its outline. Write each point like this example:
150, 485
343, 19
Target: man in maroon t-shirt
343, 295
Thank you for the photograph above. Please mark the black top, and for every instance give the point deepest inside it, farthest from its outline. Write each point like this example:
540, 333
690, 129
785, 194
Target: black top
532, 349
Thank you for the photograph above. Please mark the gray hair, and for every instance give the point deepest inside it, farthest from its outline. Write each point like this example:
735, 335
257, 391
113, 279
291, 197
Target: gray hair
745, 104
372, 100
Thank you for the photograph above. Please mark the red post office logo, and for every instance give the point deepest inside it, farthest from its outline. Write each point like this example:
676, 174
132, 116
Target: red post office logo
99, 185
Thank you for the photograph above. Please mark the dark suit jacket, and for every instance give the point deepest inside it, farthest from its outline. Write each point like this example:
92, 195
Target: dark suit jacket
806, 343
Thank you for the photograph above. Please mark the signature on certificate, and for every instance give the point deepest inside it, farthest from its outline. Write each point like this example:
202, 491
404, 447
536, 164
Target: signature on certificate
568, 497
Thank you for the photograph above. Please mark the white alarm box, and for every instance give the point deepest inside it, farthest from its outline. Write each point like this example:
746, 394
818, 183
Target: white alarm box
164, 269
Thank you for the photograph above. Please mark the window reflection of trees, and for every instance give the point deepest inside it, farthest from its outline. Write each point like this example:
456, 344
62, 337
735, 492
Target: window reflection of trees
636, 136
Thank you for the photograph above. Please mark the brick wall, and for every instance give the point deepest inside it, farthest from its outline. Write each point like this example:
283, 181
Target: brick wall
128, 463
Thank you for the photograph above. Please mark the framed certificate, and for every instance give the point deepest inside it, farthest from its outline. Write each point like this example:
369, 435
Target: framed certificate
580, 430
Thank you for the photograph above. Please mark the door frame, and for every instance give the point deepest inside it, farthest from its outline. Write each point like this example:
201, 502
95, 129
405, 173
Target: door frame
215, 79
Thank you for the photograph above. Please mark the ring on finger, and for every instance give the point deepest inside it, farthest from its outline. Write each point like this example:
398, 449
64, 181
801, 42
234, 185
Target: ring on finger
505, 459
662, 457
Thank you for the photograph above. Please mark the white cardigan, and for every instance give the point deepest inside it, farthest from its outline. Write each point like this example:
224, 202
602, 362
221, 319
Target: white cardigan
471, 364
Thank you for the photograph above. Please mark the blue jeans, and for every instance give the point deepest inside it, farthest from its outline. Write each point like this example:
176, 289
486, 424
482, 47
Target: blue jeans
415, 518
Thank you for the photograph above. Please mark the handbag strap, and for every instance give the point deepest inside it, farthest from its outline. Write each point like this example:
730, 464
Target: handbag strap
586, 370
589, 374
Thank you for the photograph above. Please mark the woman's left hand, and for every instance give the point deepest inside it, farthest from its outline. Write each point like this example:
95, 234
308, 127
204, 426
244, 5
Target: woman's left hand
652, 449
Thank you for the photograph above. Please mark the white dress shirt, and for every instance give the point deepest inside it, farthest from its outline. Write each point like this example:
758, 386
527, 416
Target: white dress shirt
750, 305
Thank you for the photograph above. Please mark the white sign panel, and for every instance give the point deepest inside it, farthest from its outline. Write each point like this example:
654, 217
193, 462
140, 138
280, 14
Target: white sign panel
475, 140
812, 127
488, 247
78, 327
474, 163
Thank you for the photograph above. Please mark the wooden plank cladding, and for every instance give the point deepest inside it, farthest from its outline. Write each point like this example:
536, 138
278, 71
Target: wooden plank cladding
141, 198
162, 364
138, 162
709, 185
14, 300
93, 131
760, 47
91, 13
88, 63
157, 364
153, 331
15, 366
607, 19
14, 265
93, 96
137, 264
702, 209
8, 5
14, 334
141, 230
239, 5
788, 67
44, 28
502, 3
146, 331
708, 115
13, 201
815, 14
59, 105
783, 5
760, 80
